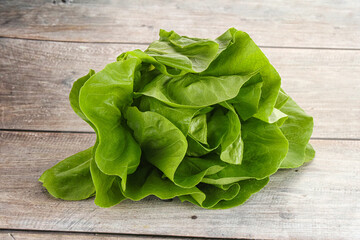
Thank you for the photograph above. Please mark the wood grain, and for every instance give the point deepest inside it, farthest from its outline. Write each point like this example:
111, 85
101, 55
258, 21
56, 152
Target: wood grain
322, 24
316, 201
315, 46
36, 78
36, 235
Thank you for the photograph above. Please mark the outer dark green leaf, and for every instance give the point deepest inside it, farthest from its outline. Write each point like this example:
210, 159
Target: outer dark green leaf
102, 98
70, 179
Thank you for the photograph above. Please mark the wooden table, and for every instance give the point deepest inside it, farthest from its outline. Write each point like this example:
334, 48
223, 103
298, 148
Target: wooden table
46, 45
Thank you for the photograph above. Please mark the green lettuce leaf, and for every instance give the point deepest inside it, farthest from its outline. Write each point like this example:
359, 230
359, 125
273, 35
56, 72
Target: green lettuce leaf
102, 99
70, 179
297, 130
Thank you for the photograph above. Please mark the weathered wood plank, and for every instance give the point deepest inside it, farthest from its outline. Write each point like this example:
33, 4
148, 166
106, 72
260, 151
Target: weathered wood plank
316, 201
325, 24
36, 235
36, 77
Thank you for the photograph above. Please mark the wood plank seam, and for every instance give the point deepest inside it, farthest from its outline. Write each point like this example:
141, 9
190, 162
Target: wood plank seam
148, 43
86, 132
103, 234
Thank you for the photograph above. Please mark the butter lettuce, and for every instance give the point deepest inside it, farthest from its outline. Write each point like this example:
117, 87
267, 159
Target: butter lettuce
199, 119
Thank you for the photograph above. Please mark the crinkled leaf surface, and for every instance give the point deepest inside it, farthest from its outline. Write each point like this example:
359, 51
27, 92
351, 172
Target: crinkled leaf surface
199, 119
102, 99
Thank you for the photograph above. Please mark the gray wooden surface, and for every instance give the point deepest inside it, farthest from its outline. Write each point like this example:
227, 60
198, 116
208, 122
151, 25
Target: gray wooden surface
51, 235
46, 45
320, 24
